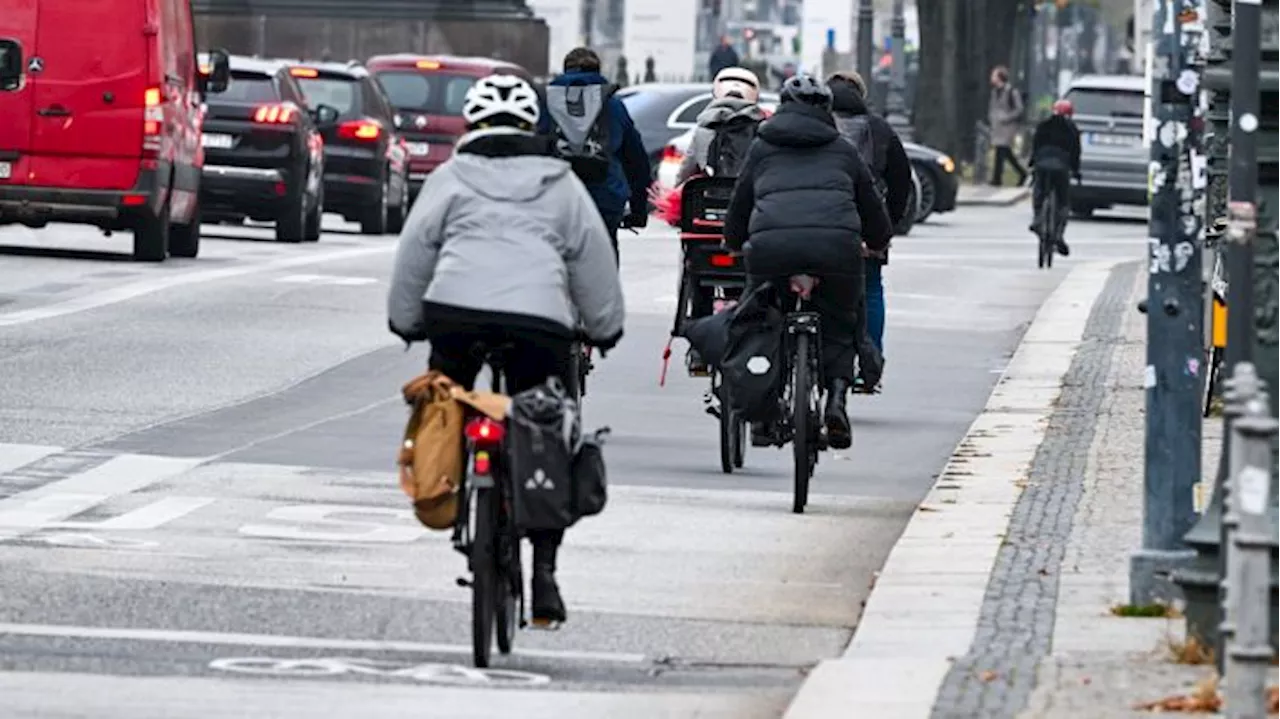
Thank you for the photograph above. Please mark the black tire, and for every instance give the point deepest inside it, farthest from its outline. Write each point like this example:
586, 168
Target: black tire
731, 450
184, 240
314, 220
484, 578
801, 419
291, 226
151, 236
374, 221
928, 195
397, 217
508, 589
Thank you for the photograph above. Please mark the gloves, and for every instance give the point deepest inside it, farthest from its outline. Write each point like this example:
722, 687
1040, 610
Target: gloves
407, 337
636, 220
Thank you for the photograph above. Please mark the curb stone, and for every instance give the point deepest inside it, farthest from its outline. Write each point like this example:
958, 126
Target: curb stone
925, 609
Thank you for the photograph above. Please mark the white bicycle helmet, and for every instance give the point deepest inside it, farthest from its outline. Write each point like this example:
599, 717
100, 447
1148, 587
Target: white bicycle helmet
500, 100
736, 82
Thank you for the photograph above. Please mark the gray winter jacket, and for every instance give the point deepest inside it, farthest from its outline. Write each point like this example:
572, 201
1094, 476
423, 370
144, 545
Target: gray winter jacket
1004, 115
717, 112
507, 235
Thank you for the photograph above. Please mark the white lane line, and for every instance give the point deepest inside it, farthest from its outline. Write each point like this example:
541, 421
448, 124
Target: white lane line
338, 280
13, 456
133, 290
179, 636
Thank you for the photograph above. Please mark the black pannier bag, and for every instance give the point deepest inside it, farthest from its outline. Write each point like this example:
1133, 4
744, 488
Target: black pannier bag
543, 435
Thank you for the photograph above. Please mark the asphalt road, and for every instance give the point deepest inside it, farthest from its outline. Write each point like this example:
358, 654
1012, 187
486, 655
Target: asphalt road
198, 515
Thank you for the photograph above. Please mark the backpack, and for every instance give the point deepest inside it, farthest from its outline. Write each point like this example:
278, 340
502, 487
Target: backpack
753, 364
580, 120
727, 152
544, 434
862, 137
432, 455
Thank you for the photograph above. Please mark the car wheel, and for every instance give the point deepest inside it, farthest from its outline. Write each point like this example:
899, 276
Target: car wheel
375, 221
151, 236
315, 219
928, 194
395, 222
291, 226
184, 240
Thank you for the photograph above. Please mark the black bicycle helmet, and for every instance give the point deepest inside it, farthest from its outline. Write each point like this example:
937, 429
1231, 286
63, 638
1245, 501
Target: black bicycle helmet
807, 89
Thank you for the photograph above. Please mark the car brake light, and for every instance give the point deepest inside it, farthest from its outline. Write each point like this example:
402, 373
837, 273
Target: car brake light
360, 130
134, 200
482, 463
484, 430
427, 65
671, 154
152, 119
303, 72
722, 260
274, 114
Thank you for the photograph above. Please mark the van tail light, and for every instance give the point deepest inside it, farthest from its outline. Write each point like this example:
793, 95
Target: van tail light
274, 114
481, 463
366, 130
152, 120
722, 260
484, 431
671, 154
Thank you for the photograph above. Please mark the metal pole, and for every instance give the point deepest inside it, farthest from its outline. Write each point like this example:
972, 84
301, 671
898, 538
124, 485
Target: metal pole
895, 105
1202, 578
866, 39
1248, 607
1174, 320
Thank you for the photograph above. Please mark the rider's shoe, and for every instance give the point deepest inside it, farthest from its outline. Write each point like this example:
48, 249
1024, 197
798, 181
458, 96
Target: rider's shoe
695, 363
548, 607
1063, 249
839, 431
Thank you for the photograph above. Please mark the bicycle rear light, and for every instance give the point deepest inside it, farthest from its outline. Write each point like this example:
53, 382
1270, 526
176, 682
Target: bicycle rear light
483, 430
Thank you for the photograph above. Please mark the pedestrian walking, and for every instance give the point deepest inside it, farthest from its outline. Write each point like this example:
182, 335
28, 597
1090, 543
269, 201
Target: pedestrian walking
1005, 113
723, 56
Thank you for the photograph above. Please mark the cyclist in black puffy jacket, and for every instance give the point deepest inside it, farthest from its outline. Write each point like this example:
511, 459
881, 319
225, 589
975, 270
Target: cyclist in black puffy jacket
805, 203
1055, 157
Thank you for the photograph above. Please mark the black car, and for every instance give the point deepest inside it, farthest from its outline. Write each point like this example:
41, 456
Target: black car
263, 156
366, 162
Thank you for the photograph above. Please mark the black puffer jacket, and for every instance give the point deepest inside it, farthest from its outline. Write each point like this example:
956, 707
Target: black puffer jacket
805, 201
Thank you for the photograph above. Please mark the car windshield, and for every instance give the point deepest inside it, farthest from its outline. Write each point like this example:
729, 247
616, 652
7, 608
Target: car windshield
1106, 103
340, 94
248, 87
428, 93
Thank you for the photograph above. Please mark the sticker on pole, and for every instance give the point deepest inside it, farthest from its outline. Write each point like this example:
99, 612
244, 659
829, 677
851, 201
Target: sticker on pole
428, 673
1253, 485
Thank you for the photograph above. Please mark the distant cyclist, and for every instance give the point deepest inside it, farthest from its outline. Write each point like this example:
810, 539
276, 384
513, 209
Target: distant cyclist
726, 127
1055, 158
505, 246
805, 203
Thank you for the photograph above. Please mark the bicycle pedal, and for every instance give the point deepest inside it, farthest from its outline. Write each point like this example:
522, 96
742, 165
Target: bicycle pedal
544, 625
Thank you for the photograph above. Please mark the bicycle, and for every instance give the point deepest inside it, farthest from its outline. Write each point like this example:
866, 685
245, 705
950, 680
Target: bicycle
1047, 228
805, 390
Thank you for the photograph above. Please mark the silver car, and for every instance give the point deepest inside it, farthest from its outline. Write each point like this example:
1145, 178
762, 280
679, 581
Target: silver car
1113, 162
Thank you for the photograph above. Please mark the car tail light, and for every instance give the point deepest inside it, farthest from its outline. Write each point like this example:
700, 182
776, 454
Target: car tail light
152, 119
133, 200
360, 130
481, 464
671, 154
722, 260
484, 431
274, 114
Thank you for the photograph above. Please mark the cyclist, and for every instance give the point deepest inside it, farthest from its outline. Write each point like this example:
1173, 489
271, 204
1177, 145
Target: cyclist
882, 150
731, 118
805, 203
504, 245
1055, 157
628, 172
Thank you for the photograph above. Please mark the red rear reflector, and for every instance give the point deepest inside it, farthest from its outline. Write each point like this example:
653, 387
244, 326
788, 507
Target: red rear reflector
134, 200
722, 260
670, 153
281, 189
427, 65
274, 114
484, 430
360, 130
303, 72
482, 463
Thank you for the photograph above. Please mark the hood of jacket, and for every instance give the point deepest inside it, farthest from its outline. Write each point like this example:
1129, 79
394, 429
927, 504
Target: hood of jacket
845, 98
797, 124
518, 177
579, 78
727, 108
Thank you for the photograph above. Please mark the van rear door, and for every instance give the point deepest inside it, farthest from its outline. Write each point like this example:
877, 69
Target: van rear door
90, 93
18, 23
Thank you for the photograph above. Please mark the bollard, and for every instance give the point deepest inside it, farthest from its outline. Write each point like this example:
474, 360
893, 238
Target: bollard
1248, 581
1241, 389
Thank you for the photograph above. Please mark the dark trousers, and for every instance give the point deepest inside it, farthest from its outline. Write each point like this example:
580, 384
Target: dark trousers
870, 326
1004, 153
839, 301
612, 223
1055, 180
458, 352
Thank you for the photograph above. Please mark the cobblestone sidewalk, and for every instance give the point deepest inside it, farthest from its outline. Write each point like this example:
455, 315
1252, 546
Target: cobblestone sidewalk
1047, 645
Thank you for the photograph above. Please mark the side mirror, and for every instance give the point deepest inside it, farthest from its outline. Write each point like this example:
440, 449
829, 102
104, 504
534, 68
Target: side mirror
219, 72
11, 66
325, 115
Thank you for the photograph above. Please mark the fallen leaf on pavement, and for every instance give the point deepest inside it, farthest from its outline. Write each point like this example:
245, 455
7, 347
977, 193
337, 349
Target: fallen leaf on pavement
1273, 700
1204, 698
1086, 681
988, 676
923, 508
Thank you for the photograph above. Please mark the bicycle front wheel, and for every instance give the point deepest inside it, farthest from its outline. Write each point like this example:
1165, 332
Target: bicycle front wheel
484, 576
801, 419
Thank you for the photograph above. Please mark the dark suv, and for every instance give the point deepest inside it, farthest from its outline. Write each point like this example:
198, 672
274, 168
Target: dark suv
264, 157
366, 168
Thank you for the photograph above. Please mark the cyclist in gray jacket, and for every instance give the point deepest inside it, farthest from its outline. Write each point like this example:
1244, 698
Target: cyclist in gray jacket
504, 245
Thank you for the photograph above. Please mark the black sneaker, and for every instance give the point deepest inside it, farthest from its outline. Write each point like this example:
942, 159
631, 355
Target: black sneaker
695, 364
1063, 249
548, 607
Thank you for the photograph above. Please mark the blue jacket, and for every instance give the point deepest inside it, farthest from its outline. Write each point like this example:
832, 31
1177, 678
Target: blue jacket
629, 171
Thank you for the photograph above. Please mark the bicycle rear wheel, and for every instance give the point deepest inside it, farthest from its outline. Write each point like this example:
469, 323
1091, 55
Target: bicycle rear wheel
732, 430
507, 594
484, 576
801, 420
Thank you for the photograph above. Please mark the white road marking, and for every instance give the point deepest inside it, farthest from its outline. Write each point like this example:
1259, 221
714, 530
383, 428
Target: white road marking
428, 673
13, 456
338, 280
133, 290
304, 517
176, 636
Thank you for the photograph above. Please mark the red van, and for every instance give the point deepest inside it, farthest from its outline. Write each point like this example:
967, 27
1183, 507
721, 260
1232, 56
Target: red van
427, 92
102, 107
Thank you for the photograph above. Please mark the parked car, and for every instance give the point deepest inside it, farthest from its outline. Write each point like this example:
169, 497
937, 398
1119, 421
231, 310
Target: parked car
264, 156
100, 119
427, 92
1113, 162
366, 163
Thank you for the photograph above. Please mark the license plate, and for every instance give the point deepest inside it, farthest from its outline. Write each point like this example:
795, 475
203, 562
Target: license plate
1113, 140
6, 170
218, 142
419, 149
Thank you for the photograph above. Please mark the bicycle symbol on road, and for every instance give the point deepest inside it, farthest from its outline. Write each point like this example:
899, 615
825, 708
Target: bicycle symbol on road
430, 673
